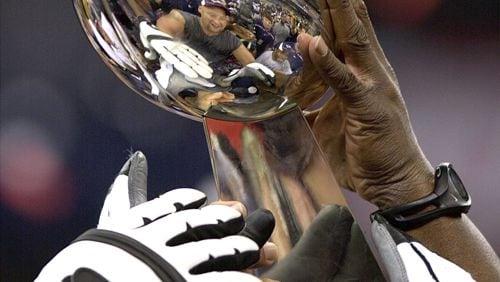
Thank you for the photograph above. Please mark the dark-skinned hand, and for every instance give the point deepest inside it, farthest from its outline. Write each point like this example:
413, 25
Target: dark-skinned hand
366, 135
364, 130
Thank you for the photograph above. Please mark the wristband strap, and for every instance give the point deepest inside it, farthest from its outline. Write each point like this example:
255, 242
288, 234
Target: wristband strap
160, 267
450, 198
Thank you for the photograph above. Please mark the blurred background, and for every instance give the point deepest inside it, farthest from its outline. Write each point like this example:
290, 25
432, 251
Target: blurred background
68, 124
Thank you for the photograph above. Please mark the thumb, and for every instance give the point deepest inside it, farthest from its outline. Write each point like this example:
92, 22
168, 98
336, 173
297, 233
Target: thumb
337, 74
307, 87
303, 41
137, 179
128, 190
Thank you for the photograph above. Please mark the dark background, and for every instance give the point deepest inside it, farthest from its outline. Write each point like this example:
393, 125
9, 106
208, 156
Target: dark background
68, 124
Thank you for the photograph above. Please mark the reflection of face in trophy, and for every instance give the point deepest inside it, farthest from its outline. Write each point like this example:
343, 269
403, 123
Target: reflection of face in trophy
213, 19
227, 64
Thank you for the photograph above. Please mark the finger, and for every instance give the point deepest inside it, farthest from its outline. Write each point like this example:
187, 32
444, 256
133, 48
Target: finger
228, 96
234, 74
128, 190
224, 276
224, 101
327, 30
158, 45
200, 82
211, 222
351, 35
303, 41
178, 51
137, 178
259, 226
261, 69
185, 51
214, 96
334, 72
229, 253
170, 202
186, 57
362, 13
218, 101
233, 204
319, 253
268, 255
185, 69
200, 61
198, 56
204, 71
307, 87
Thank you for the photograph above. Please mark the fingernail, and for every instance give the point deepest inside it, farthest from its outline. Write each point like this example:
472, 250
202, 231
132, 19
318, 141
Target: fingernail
320, 46
271, 252
240, 208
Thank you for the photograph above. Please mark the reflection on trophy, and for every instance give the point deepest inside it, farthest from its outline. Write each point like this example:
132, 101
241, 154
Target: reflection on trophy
228, 65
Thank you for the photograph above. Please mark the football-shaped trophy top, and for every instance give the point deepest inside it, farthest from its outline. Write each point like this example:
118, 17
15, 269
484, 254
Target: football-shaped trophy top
229, 60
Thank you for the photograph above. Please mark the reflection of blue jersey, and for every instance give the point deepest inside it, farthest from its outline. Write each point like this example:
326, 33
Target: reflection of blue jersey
294, 57
295, 61
265, 39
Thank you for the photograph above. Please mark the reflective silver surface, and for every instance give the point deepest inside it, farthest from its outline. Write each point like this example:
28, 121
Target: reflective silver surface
273, 164
167, 67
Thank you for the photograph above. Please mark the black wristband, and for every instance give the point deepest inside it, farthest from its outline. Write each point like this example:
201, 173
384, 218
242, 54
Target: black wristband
449, 198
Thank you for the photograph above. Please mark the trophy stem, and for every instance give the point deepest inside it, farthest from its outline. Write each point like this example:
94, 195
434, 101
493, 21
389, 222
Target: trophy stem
275, 164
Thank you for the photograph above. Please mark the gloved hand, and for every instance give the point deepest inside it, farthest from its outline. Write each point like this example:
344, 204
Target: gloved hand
405, 259
170, 238
193, 67
256, 70
333, 248
184, 58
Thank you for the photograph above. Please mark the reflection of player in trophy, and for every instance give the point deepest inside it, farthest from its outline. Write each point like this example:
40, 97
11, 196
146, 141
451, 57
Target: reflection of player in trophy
281, 29
207, 35
264, 35
276, 59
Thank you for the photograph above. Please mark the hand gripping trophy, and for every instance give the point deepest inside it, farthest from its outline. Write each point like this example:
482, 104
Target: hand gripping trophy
235, 67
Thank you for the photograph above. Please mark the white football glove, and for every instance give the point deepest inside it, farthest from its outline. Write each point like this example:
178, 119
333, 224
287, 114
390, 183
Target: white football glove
184, 58
256, 70
170, 238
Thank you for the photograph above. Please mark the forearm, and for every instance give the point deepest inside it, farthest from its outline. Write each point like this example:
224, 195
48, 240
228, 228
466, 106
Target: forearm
243, 55
454, 238
459, 240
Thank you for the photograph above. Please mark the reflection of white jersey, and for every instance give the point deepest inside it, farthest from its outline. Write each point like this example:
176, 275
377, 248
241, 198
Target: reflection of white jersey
266, 58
